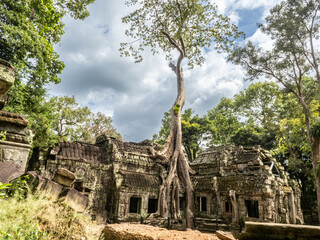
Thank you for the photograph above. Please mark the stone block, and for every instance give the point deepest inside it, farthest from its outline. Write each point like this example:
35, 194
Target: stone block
15, 152
225, 236
10, 170
277, 231
76, 200
64, 177
51, 189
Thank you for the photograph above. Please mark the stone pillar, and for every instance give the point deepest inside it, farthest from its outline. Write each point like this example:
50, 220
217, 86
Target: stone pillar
292, 208
235, 212
16, 145
144, 205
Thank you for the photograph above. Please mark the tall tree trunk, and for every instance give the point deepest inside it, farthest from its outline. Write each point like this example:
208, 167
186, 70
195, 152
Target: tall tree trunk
315, 163
174, 157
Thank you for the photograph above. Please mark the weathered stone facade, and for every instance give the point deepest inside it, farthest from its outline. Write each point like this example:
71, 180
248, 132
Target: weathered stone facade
122, 181
245, 184
118, 177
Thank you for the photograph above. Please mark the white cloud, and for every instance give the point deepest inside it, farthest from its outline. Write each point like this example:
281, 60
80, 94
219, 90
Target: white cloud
262, 40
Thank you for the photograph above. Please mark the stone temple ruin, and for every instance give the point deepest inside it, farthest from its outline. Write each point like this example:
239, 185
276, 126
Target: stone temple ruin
245, 184
121, 180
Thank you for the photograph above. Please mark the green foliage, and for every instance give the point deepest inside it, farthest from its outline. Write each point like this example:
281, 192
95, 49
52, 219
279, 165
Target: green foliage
74, 123
224, 118
3, 189
3, 135
176, 109
261, 103
19, 188
36, 217
315, 128
194, 128
246, 137
99, 124
62, 118
26, 232
187, 26
165, 129
68, 117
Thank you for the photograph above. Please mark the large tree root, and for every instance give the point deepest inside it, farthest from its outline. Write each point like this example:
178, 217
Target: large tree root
177, 172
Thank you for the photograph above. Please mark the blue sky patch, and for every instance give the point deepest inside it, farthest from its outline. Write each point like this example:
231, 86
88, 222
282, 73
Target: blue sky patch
249, 19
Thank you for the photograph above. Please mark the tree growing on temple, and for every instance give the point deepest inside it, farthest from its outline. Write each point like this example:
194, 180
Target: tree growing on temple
294, 27
185, 27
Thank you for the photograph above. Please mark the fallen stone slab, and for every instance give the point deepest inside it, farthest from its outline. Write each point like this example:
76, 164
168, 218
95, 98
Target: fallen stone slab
75, 200
130, 231
9, 170
64, 177
50, 189
225, 235
278, 231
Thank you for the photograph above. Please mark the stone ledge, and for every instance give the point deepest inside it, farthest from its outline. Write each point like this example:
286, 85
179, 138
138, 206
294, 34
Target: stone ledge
13, 118
278, 231
23, 145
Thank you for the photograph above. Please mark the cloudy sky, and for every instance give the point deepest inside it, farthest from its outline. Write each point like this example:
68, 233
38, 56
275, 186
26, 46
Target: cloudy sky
137, 95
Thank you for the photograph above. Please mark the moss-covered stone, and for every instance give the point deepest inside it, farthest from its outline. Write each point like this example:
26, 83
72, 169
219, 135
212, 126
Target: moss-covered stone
7, 77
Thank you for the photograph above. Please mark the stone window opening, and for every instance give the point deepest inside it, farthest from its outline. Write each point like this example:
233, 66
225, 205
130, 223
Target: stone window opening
202, 204
252, 208
135, 205
274, 169
152, 205
80, 188
228, 207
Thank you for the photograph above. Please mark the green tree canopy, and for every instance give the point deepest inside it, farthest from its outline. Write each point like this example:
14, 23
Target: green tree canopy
172, 25
28, 31
225, 121
71, 122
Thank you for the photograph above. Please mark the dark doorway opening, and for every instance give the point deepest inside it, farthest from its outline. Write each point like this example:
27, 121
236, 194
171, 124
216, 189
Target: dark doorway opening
135, 205
252, 208
228, 207
182, 203
202, 204
152, 205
